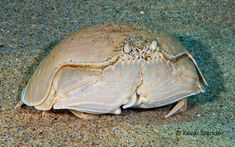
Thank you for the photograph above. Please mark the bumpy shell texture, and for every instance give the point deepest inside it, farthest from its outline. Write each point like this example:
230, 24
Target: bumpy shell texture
100, 69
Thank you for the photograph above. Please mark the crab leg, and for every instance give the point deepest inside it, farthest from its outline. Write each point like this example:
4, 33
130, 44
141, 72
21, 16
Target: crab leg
180, 106
18, 105
82, 115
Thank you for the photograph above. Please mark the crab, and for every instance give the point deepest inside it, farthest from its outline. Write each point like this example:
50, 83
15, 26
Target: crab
105, 69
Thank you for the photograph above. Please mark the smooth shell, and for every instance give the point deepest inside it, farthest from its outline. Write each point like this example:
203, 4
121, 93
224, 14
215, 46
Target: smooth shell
99, 69
175, 49
96, 46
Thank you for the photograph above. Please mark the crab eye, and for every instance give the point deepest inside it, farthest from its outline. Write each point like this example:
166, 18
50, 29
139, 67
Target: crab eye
153, 45
127, 49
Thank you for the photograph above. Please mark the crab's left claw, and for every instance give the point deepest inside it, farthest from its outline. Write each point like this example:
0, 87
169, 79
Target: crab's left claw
180, 106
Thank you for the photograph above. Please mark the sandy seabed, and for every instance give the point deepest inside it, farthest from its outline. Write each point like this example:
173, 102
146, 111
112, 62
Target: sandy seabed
30, 29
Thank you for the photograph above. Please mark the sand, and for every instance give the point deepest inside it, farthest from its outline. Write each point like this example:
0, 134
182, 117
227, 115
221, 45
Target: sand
30, 29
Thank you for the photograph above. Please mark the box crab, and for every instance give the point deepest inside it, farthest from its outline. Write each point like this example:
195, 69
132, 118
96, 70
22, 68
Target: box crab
99, 70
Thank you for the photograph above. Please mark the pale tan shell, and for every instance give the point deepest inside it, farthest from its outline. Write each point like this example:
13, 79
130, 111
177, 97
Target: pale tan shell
175, 48
101, 56
96, 46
